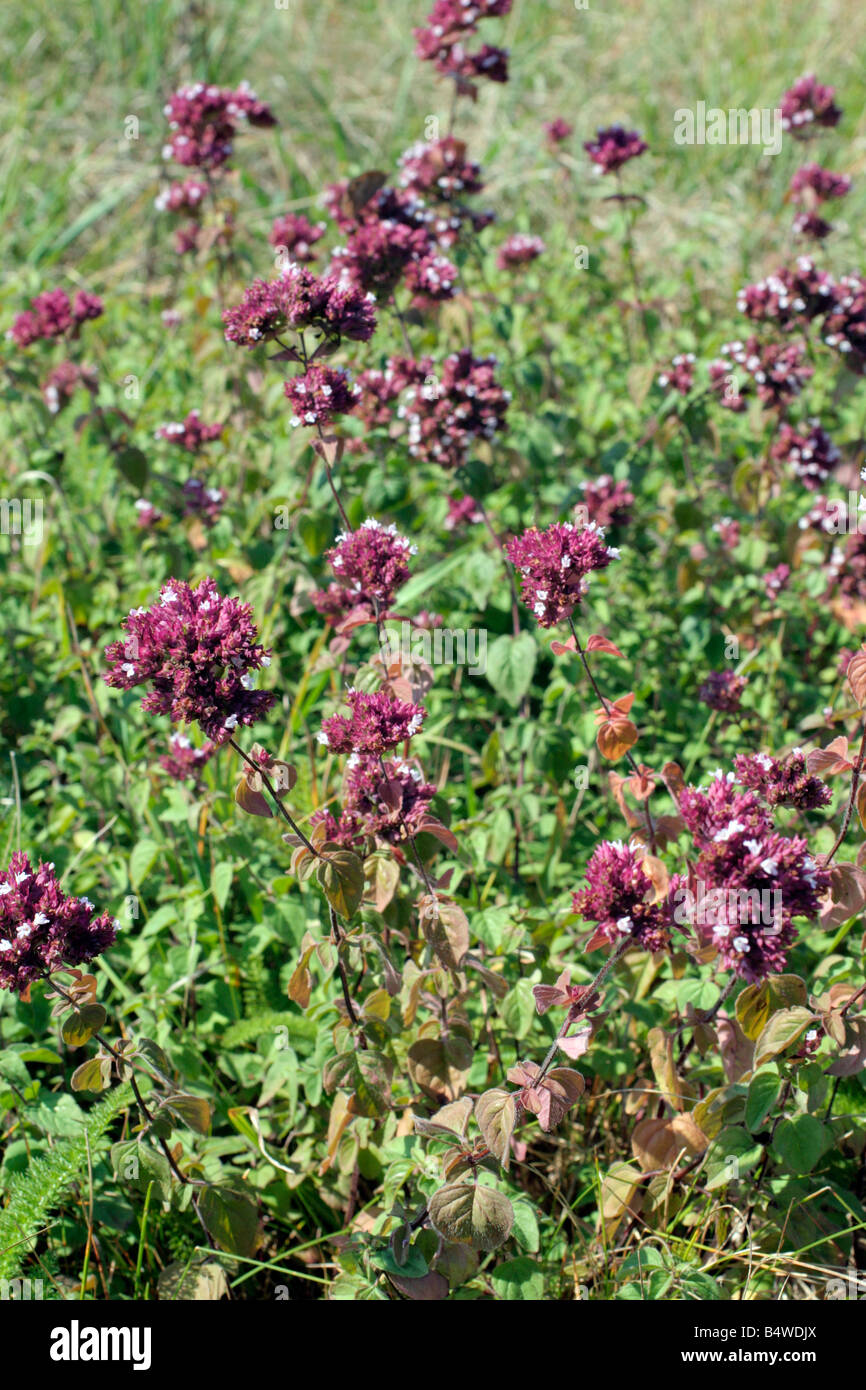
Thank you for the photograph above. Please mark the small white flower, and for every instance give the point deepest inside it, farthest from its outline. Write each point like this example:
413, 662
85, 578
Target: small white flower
231, 722
322, 737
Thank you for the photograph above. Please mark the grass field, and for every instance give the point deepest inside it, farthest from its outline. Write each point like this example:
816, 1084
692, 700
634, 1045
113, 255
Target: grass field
229, 964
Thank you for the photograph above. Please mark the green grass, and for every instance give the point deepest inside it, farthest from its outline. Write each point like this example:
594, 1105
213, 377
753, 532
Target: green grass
217, 923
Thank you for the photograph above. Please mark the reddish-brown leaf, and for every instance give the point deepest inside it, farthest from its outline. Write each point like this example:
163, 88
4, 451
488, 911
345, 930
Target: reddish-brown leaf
597, 643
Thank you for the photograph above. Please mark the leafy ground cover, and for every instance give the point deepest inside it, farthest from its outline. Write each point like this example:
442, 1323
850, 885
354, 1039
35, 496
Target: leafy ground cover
432, 695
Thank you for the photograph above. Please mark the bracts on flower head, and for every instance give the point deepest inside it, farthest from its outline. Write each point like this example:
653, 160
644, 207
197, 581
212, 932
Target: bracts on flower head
41, 928
377, 722
554, 566
198, 653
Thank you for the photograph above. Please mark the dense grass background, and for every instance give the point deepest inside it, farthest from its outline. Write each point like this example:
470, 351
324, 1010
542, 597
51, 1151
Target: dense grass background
205, 965
350, 94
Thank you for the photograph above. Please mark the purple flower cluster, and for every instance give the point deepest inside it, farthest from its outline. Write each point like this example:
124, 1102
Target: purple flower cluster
845, 323
808, 103
381, 387
372, 561
41, 929
554, 567
519, 250
63, 381
782, 781
724, 384
812, 456
812, 186
722, 691
299, 300
775, 580
445, 417
778, 370
618, 897
793, 297
184, 762
613, 147
198, 651
189, 434
680, 375
297, 236
382, 800
377, 722
790, 296
461, 512
202, 501
758, 880
320, 394
53, 315
184, 196
812, 183
380, 253
147, 515
443, 40
557, 131
439, 169
728, 532
204, 121
607, 502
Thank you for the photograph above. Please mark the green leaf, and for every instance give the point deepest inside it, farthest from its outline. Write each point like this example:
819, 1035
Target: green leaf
232, 1219
81, 1025
415, 1266
93, 1075
185, 1282
526, 1229
132, 464
511, 664
496, 1115
799, 1142
517, 1009
221, 882
756, 1003
519, 1280
341, 876
471, 1214
194, 1111
139, 1165
782, 1029
142, 860
763, 1092
732, 1153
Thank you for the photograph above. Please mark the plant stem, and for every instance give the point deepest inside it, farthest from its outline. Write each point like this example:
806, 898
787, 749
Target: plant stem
277, 802
608, 708
855, 781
